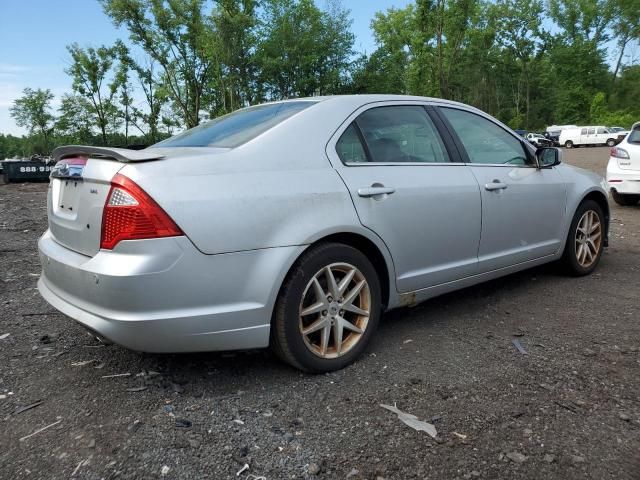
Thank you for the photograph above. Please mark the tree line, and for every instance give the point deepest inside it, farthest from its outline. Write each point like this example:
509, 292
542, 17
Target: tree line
530, 63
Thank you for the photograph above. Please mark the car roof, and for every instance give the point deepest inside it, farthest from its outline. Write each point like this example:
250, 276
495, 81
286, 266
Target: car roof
371, 98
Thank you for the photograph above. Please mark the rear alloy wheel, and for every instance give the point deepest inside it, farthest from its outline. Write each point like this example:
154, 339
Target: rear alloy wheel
568, 144
611, 142
624, 200
327, 310
586, 239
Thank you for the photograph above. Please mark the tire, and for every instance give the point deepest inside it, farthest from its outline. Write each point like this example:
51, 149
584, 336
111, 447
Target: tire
568, 144
578, 262
624, 200
301, 291
611, 142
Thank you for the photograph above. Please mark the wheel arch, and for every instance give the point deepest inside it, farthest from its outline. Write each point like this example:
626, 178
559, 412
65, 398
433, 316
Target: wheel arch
373, 248
602, 200
372, 252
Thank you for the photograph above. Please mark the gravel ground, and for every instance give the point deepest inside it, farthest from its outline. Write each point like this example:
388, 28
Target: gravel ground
568, 409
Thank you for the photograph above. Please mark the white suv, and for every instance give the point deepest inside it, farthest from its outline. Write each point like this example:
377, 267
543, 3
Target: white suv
623, 170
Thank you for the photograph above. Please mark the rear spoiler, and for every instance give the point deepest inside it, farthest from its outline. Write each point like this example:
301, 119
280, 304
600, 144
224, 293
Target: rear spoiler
120, 154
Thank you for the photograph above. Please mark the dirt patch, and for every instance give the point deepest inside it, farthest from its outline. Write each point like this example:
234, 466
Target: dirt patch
569, 408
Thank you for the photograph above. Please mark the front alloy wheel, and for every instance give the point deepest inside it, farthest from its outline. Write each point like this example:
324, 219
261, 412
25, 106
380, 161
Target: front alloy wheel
588, 239
585, 242
327, 310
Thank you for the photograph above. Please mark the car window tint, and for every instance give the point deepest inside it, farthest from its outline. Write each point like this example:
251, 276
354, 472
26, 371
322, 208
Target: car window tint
484, 141
592, 131
401, 134
583, 131
349, 147
236, 128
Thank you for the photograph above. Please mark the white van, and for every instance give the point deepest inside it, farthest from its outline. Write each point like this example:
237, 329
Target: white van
590, 135
557, 129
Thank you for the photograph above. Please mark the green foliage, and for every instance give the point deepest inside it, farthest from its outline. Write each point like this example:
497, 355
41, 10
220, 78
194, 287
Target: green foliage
97, 76
601, 115
33, 111
181, 38
302, 50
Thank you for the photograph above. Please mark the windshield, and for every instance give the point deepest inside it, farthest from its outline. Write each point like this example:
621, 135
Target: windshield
236, 128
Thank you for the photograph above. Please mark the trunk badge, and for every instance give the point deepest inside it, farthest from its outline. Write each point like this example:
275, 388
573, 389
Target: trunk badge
70, 169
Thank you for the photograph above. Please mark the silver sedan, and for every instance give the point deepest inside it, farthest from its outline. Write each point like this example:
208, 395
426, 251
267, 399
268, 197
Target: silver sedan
295, 224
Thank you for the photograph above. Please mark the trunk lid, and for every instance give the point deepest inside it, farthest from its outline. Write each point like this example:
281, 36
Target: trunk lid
76, 200
78, 189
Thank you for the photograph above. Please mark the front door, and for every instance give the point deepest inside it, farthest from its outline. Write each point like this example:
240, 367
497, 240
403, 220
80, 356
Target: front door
407, 190
523, 207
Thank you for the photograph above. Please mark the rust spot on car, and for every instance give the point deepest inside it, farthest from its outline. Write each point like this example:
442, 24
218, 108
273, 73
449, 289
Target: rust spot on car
408, 300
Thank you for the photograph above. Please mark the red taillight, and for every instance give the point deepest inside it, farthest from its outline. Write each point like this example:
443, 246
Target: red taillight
130, 214
618, 152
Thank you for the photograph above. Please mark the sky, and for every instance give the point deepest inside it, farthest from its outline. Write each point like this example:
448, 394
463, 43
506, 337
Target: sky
34, 35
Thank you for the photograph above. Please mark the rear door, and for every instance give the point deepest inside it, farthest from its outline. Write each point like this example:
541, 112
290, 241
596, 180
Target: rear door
592, 137
411, 189
77, 193
523, 207
584, 136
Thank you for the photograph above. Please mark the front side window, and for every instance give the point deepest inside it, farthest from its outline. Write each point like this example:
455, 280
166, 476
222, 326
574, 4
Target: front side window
484, 141
401, 134
602, 130
236, 128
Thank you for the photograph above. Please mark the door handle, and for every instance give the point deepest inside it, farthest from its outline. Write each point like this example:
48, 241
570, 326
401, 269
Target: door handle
375, 191
495, 185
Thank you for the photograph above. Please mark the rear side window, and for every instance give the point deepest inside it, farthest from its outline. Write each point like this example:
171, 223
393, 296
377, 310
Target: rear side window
592, 131
484, 141
634, 136
236, 128
401, 134
349, 147
583, 131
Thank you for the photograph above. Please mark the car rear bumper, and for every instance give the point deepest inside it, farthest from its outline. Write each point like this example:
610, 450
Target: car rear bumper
163, 295
622, 181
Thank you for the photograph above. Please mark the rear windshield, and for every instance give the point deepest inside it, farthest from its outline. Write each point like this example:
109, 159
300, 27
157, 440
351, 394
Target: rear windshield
236, 128
634, 136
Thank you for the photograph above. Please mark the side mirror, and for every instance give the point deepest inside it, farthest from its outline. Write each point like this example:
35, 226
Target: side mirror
548, 157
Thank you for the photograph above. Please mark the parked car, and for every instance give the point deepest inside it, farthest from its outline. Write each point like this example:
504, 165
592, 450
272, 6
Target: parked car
620, 132
555, 139
295, 224
553, 133
588, 136
623, 169
539, 140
